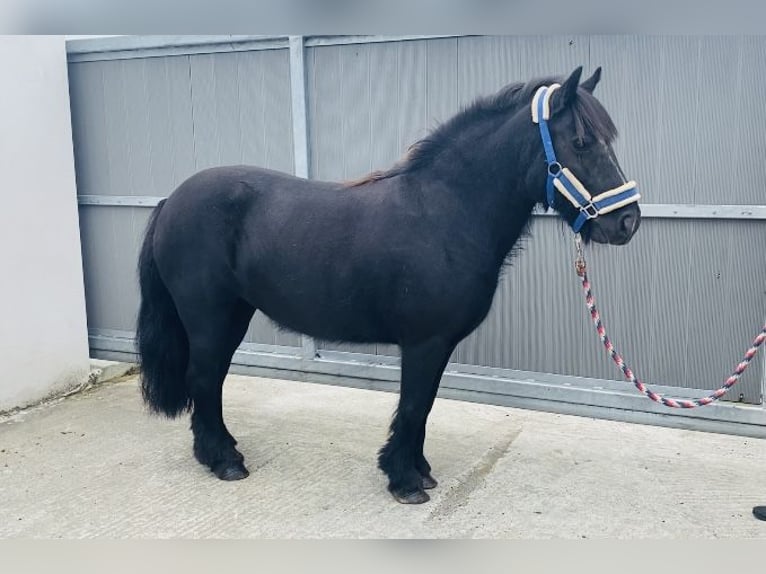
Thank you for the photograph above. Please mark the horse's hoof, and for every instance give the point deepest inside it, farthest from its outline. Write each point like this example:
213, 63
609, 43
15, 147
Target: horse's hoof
417, 497
428, 482
231, 471
759, 512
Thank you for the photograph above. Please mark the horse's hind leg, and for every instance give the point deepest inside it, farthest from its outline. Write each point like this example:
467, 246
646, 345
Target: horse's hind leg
401, 458
214, 335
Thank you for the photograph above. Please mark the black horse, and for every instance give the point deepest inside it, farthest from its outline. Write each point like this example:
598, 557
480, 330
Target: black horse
409, 256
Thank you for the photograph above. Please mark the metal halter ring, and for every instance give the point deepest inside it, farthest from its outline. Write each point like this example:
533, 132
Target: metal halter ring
554, 169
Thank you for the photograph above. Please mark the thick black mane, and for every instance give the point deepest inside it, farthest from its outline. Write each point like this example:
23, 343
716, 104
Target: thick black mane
590, 117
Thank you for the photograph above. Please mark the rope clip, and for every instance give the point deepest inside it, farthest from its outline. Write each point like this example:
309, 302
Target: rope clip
580, 259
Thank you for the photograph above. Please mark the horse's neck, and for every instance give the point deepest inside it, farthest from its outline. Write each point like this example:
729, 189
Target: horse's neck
488, 176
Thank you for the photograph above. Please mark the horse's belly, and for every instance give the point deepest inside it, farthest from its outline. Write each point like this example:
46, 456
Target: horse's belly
330, 320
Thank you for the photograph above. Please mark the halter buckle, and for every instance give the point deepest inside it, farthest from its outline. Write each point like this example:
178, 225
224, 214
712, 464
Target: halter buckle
590, 211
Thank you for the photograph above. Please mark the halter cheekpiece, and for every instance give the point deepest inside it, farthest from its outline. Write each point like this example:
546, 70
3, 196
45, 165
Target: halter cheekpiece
563, 180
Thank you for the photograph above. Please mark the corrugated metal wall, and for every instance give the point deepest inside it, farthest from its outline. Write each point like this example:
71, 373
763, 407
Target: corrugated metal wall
142, 126
692, 132
682, 300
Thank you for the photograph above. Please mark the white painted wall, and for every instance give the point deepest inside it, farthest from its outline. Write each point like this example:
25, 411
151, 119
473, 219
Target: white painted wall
43, 332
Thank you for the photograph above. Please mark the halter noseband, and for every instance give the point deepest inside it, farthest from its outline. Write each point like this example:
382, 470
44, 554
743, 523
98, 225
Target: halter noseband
564, 180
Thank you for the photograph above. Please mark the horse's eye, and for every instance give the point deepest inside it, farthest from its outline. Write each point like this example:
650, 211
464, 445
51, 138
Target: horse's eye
581, 144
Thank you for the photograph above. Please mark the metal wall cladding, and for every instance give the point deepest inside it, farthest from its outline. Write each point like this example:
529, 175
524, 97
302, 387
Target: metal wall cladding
690, 111
368, 102
141, 126
682, 300
111, 239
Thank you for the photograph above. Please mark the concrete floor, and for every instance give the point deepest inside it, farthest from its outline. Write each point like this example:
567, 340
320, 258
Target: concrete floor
95, 465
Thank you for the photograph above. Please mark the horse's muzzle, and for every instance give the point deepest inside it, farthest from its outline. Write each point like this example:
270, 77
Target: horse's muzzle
616, 228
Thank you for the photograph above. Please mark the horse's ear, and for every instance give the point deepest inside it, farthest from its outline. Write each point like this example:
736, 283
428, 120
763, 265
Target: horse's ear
567, 93
590, 84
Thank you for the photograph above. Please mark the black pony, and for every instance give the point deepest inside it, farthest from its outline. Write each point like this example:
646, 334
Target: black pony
410, 256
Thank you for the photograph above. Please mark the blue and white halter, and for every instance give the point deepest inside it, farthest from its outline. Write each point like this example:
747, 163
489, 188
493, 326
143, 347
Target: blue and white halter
564, 180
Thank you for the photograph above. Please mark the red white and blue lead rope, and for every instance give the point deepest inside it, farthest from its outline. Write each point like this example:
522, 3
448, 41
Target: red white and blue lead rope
580, 268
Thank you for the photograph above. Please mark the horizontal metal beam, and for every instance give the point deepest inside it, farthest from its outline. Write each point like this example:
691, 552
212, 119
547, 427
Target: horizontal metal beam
537, 391
124, 342
501, 373
341, 40
131, 47
120, 200
694, 211
649, 210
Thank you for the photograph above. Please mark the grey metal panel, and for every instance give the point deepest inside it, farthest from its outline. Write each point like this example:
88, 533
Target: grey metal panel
538, 320
133, 123
242, 111
719, 118
690, 113
534, 318
382, 104
485, 64
262, 330
475, 74
751, 143
110, 243
441, 81
266, 114
383, 100
727, 301
96, 239
683, 139
681, 302
410, 114
323, 87
215, 101
648, 111
145, 125
88, 109
141, 126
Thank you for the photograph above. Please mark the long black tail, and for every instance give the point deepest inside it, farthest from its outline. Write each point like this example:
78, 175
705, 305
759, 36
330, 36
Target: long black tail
163, 347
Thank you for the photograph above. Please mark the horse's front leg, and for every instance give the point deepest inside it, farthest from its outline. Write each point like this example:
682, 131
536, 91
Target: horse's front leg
401, 458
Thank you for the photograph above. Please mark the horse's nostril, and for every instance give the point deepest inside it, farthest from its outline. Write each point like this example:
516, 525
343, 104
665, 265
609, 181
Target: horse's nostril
627, 223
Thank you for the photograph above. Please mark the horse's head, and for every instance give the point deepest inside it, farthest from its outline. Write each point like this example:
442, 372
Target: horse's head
584, 182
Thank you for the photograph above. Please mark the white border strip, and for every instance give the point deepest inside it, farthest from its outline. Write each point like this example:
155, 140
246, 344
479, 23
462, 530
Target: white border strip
536, 103
547, 101
616, 191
